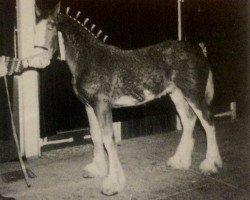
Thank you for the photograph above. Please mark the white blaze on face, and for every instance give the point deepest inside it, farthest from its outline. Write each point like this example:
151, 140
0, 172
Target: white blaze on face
40, 33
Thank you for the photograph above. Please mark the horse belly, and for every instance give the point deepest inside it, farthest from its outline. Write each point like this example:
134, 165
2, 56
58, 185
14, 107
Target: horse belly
129, 100
125, 101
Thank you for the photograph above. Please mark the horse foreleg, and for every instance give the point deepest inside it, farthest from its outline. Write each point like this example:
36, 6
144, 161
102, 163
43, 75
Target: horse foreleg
115, 180
98, 167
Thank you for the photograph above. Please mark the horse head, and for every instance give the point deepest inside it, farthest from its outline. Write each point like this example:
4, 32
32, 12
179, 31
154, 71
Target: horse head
46, 33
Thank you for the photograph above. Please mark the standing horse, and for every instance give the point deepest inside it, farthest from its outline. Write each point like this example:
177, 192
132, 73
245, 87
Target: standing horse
105, 77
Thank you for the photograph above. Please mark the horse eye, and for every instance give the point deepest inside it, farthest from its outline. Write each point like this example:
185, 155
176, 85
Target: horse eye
50, 27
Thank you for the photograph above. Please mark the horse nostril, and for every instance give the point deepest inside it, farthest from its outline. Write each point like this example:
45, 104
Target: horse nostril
41, 47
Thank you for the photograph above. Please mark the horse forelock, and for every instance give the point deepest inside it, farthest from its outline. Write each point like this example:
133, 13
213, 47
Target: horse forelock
44, 15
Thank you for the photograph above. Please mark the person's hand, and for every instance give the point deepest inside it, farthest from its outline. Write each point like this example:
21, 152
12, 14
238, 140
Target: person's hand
3, 66
39, 62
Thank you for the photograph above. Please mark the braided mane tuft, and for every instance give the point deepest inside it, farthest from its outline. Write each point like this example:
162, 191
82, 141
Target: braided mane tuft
86, 20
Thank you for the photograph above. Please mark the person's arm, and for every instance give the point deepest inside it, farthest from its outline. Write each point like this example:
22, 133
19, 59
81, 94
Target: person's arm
3, 66
38, 61
8, 65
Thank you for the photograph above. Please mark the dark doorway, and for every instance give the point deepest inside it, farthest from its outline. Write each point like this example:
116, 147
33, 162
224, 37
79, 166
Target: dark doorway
60, 109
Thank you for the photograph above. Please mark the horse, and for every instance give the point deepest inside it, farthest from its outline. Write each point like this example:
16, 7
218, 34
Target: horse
106, 77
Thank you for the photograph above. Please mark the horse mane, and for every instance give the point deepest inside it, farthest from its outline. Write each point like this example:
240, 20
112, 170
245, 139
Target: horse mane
83, 25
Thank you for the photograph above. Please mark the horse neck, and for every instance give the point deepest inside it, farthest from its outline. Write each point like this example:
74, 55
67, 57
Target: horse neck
79, 43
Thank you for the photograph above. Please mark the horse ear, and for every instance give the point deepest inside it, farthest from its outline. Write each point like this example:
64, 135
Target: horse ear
56, 9
38, 11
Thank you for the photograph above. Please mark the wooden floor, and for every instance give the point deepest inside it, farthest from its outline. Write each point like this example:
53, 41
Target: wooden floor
58, 172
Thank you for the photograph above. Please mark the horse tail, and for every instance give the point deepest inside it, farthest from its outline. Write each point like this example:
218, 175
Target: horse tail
209, 92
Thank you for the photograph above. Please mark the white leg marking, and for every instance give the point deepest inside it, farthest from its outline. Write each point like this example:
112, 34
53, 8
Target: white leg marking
182, 157
213, 157
98, 167
116, 180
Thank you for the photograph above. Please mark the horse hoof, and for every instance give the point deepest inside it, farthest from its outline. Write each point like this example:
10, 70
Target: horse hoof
113, 186
179, 163
94, 170
208, 167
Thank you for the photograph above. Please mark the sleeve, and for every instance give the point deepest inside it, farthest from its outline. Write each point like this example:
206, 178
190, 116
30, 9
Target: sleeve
3, 66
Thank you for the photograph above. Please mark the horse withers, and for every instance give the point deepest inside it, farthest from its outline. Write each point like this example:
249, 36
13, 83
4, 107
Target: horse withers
104, 77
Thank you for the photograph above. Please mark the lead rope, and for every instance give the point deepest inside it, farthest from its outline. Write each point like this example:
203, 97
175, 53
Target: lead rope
15, 135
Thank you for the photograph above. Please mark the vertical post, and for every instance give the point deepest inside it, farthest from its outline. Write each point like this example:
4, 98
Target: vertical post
26, 103
178, 122
233, 110
179, 19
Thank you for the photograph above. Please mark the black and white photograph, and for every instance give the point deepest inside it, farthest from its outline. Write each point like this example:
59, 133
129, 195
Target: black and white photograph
124, 99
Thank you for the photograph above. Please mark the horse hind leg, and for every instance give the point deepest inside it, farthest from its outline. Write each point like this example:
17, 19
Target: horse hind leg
213, 158
182, 157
